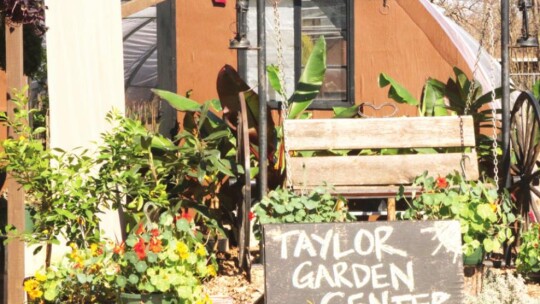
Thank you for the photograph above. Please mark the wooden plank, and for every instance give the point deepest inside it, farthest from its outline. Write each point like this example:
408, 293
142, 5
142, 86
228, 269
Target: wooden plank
14, 270
396, 132
134, 6
377, 169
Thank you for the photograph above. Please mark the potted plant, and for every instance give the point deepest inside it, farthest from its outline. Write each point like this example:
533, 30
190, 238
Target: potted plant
484, 214
163, 262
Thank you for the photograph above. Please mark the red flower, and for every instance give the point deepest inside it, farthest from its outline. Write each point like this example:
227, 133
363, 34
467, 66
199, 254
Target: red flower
154, 232
532, 217
441, 182
187, 216
251, 216
120, 248
141, 229
140, 249
155, 245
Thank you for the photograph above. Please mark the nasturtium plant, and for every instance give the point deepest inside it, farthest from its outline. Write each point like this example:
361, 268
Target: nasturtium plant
285, 206
528, 258
485, 214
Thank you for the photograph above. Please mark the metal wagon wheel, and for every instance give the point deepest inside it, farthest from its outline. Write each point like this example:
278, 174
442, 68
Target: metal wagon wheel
525, 149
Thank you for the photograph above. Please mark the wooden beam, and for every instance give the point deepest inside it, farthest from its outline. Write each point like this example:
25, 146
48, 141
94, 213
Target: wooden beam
14, 270
134, 6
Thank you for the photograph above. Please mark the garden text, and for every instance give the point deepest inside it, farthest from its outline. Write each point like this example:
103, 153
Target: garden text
366, 268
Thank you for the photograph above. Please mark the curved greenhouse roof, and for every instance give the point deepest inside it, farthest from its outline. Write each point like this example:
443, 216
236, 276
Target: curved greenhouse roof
140, 55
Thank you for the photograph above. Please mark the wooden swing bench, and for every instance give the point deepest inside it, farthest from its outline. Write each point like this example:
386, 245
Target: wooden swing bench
378, 176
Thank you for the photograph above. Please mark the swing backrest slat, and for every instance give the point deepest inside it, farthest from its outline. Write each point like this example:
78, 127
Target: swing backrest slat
371, 170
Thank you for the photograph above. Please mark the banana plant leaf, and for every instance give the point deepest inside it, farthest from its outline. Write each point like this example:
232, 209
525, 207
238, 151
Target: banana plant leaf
346, 112
433, 98
311, 80
397, 92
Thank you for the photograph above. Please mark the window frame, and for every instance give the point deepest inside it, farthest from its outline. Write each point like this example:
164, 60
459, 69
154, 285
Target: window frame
327, 104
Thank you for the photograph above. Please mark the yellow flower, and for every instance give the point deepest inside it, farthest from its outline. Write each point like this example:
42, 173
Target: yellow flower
211, 270
32, 289
21, 138
493, 207
40, 276
94, 248
205, 300
183, 250
201, 251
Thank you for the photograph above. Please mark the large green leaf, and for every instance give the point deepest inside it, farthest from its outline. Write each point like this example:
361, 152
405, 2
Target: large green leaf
433, 98
536, 89
310, 81
346, 112
397, 92
273, 79
178, 102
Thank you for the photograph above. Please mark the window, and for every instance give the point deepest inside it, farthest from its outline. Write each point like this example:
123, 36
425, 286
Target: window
333, 20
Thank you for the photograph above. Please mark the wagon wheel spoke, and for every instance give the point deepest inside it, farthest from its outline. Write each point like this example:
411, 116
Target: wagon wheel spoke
525, 144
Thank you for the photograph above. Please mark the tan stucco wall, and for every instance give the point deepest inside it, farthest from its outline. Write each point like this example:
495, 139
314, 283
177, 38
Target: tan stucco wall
203, 31
404, 42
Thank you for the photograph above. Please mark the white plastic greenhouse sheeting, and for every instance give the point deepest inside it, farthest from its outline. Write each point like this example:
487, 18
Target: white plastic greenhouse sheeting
84, 52
488, 72
140, 54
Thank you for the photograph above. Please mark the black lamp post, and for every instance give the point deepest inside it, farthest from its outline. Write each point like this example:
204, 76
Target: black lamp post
526, 40
241, 41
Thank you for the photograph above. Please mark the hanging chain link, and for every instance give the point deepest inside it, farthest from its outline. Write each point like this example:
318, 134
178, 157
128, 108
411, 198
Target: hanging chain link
284, 103
495, 146
279, 51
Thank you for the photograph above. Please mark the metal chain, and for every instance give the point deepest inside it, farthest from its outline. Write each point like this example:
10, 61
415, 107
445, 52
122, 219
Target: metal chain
485, 12
279, 49
495, 146
284, 102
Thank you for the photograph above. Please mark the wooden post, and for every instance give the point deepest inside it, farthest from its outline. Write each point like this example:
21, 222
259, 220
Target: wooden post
166, 48
14, 270
391, 208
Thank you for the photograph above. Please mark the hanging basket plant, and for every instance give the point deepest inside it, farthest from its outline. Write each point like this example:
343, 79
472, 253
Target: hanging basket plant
18, 12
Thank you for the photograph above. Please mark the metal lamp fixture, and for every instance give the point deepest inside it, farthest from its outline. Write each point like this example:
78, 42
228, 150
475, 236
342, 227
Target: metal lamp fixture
526, 40
241, 41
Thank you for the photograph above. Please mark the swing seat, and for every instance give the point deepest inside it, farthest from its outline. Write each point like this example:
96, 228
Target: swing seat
371, 158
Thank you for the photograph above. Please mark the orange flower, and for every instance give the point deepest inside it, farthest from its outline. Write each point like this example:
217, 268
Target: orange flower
120, 248
155, 245
140, 249
141, 229
441, 182
154, 232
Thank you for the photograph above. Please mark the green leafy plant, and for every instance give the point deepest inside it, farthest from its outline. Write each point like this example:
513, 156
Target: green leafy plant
166, 257
484, 214
207, 152
57, 183
284, 206
528, 258
83, 275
